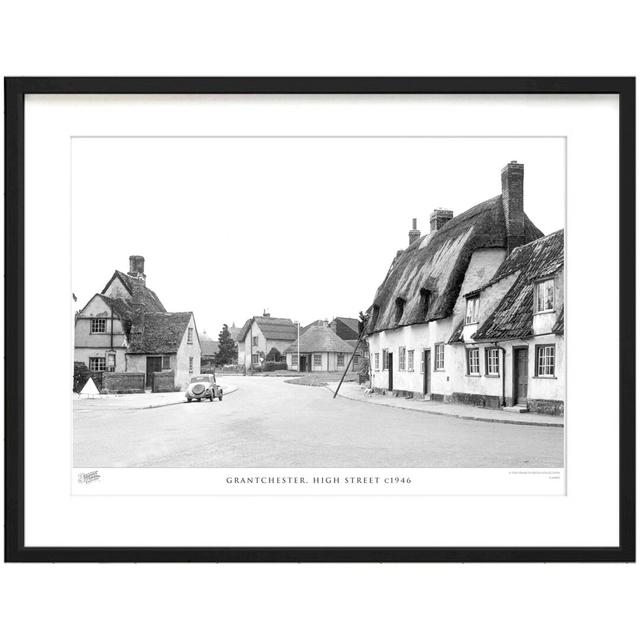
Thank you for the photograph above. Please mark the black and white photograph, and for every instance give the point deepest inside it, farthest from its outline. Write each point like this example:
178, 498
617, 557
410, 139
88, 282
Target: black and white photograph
318, 302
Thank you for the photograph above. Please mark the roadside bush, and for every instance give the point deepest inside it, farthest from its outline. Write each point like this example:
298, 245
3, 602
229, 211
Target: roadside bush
81, 374
274, 366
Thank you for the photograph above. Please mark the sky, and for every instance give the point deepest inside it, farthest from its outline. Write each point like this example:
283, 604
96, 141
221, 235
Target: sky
304, 228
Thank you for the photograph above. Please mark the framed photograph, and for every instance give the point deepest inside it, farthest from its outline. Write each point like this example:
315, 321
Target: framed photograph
320, 319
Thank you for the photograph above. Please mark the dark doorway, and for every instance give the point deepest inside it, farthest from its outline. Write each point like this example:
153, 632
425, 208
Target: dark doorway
520, 375
427, 372
303, 363
390, 368
154, 363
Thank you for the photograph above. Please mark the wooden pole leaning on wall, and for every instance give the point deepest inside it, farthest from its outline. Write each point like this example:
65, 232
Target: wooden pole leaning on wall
349, 363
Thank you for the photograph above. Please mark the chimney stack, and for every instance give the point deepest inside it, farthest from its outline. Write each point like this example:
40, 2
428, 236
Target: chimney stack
136, 267
439, 218
414, 234
512, 204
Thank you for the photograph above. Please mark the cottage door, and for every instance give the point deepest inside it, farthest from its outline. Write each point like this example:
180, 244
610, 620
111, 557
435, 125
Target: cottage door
521, 370
390, 372
154, 363
427, 372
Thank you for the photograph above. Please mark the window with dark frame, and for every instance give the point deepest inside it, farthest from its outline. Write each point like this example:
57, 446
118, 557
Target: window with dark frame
492, 361
166, 362
377, 361
402, 357
399, 308
190, 364
98, 325
438, 361
410, 358
254, 341
111, 362
294, 359
473, 362
385, 359
317, 359
190, 335
255, 359
545, 360
97, 364
341, 359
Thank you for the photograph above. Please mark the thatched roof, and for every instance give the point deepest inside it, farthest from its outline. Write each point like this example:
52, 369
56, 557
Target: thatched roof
437, 263
150, 300
513, 317
272, 328
319, 339
158, 332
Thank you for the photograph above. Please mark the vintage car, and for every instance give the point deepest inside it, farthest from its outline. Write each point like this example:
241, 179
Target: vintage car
204, 386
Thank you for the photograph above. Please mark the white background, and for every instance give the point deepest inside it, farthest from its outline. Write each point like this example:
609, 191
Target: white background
462, 601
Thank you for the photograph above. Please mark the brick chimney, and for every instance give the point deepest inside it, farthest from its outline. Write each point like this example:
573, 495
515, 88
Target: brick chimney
512, 204
439, 218
136, 267
414, 234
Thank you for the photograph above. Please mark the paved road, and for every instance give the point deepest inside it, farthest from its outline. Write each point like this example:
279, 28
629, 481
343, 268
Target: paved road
269, 423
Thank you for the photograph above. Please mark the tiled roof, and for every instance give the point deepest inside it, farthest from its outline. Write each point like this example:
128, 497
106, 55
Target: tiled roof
438, 263
513, 317
158, 332
119, 306
318, 339
208, 345
149, 298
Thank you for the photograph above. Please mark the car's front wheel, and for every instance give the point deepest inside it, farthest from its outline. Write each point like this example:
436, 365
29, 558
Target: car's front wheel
220, 396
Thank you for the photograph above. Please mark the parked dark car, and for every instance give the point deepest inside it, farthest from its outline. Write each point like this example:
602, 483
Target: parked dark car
203, 386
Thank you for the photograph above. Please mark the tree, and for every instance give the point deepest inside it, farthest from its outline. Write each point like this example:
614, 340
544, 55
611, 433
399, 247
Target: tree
227, 348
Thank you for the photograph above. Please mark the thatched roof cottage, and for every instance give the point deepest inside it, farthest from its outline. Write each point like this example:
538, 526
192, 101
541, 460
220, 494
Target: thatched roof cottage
441, 291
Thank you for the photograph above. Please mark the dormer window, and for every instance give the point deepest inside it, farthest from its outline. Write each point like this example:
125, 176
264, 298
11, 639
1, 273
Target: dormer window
543, 296
425, 301
473, 310
399, 308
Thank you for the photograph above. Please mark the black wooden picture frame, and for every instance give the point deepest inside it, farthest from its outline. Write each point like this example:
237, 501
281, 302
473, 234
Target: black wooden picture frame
15, 91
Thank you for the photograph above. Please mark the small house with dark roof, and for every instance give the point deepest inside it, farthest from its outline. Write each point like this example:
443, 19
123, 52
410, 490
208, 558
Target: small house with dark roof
320, 349
209, 350
345, 328
263, 336
464, 286
126, 329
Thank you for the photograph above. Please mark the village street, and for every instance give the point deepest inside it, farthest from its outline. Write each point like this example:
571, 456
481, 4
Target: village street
270, 423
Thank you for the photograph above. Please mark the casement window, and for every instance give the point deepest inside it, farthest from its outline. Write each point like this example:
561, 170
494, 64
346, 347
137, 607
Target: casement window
385, 359
375, 312
399, 308
544, 292
98, 325
402, 357
111, 362
356, 360
492, 361
190, 364
410, 357
255, 358
473, 362
438, 361
341, 359
294, 360
254, 341
317, 359
545, 360
377, 361
473, 309
425, 301
166, 362
97, 364
190, 335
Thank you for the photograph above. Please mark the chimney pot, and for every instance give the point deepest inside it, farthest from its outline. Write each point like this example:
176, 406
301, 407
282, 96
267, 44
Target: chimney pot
414, 233
439, 218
